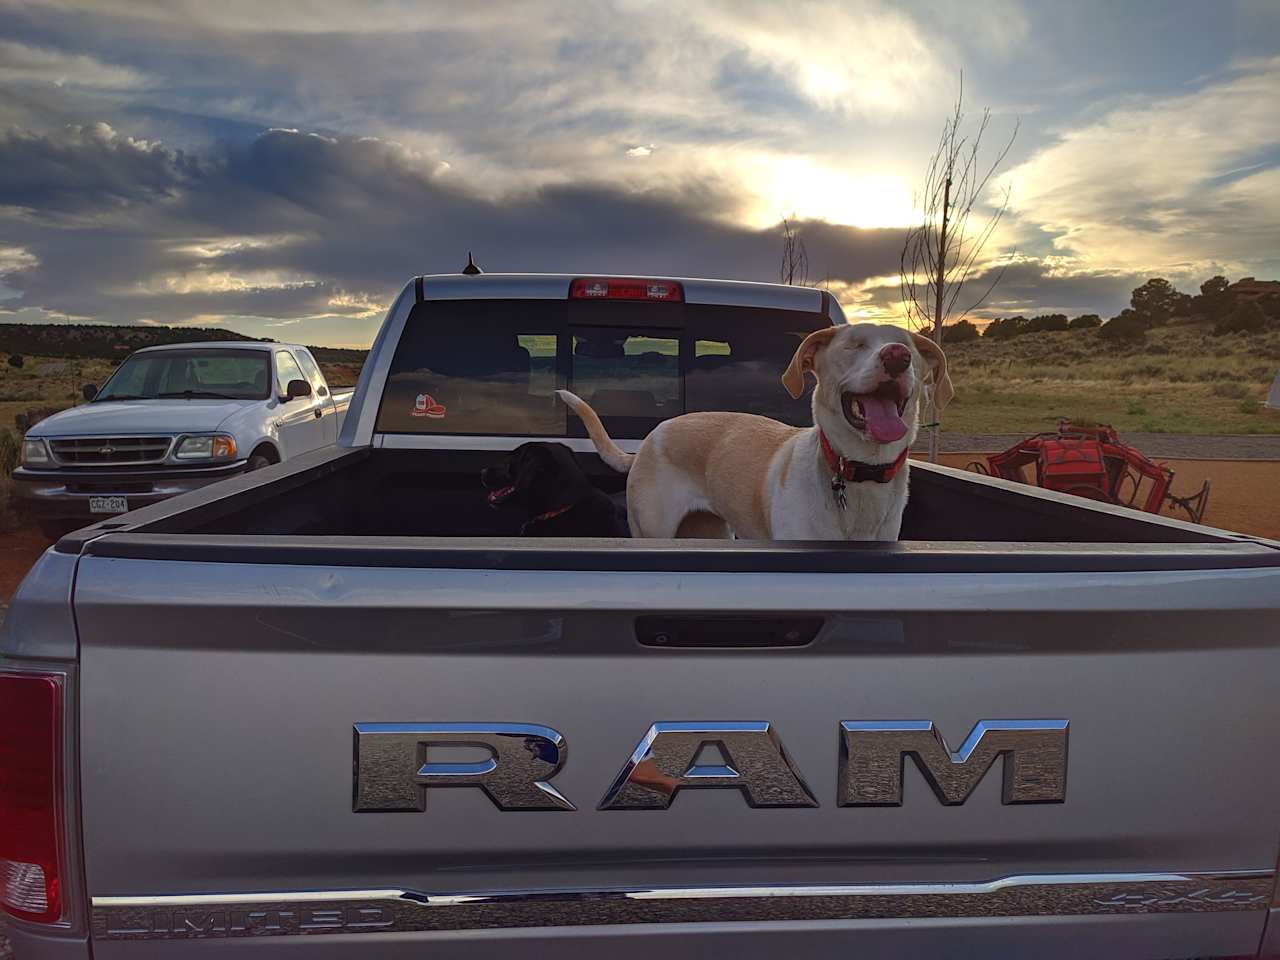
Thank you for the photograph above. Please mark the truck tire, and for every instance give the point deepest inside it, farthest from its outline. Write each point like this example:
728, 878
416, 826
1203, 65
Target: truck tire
256, 462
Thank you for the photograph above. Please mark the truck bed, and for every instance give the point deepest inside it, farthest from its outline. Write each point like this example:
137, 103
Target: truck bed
400, 494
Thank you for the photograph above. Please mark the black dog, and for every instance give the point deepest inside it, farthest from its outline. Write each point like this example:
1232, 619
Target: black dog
560, 501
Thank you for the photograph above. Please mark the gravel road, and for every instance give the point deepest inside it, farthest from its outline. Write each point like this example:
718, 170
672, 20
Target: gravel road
1155, 445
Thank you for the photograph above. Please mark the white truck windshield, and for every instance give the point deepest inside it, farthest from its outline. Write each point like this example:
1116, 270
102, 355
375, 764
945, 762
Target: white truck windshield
195, 374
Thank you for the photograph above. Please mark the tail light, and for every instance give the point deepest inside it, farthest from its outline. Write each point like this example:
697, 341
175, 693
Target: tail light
625, 288
30, 795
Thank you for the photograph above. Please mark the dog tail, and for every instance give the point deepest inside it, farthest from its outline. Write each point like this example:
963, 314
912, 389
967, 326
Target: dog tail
609, 451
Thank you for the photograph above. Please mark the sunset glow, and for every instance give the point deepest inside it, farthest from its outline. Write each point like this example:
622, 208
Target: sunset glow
227, 160
798, 187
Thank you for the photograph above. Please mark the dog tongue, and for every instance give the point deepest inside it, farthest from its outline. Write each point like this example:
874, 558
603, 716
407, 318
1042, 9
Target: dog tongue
881, 414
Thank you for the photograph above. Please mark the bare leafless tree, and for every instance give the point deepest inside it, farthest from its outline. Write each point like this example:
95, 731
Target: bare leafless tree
944, 249
795, 258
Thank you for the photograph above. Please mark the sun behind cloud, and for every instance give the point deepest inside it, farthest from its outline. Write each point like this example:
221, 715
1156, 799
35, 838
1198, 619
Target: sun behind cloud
796, 186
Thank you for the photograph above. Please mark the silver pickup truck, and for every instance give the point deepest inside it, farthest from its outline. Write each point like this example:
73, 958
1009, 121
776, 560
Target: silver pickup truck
337, 707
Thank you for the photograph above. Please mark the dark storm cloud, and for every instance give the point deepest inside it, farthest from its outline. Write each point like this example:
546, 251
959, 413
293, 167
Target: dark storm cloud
82, 169
1033, 287
332, 223
190, 211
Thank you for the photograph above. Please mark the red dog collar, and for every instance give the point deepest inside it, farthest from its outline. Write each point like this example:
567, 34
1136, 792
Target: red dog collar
855, 471
552, 514
549, 515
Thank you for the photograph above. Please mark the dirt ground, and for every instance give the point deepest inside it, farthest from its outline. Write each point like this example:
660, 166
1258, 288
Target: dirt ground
1245, 496
19, 549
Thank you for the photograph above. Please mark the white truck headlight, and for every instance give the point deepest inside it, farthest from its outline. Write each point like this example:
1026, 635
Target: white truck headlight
34, 451
219, 446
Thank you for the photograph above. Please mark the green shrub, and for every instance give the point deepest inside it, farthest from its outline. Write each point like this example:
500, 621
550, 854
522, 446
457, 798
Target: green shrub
1246, 318
10, 452
1085, 321
1233, 391
1005, 328
1215, 374
1129, 326
1270, 305
1046, 323
962, 331
1157, 300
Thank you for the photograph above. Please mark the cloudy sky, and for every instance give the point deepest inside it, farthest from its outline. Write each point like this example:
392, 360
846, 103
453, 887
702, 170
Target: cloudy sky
282, 169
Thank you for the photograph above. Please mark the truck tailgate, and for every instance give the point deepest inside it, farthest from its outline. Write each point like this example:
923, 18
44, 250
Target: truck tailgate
379, 758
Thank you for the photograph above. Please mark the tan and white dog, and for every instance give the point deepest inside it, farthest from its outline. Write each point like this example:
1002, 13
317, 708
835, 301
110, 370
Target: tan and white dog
844, 478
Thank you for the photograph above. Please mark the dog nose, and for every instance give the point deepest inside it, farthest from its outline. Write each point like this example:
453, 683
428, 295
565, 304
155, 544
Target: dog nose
896, 358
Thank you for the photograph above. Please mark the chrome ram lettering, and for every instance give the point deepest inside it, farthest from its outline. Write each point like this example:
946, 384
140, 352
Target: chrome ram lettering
665, 762
872, 756
394, 769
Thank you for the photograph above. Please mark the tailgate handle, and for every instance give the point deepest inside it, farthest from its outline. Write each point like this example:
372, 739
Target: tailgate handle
729, 631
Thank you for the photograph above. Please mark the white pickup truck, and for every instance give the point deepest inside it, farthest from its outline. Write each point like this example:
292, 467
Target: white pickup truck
172, 419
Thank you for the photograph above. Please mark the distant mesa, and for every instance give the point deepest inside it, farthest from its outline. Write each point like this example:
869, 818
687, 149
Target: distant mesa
107, 341
1249, 288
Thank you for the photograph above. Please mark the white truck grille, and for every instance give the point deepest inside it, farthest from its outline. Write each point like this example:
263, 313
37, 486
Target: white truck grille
110, 450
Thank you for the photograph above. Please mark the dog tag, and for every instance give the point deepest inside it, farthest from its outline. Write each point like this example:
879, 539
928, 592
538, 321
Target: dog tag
837, 490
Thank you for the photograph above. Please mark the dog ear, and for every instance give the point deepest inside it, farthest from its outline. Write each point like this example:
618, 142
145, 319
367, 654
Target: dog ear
804, 360
943, 390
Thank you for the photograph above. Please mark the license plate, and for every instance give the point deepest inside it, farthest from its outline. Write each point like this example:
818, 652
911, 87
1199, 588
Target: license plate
108, 505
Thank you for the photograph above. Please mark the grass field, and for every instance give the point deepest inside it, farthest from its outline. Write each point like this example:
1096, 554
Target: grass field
1182, 380
46, 382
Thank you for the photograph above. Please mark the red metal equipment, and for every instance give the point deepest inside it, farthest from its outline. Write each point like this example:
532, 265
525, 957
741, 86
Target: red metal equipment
1091, 461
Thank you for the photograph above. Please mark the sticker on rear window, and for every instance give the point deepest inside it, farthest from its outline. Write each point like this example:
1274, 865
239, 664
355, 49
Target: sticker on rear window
426, 406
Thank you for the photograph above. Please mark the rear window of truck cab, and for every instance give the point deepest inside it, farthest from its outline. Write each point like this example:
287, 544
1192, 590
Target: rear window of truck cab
491, 367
